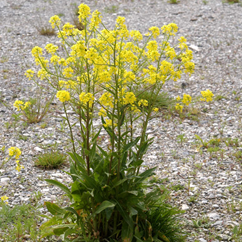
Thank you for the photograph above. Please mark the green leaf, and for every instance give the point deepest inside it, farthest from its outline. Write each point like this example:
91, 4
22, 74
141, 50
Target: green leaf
78, 159
119, 182
54, 209
131, 144
59, 231
127, 232
72, 210
124, 214
69, 232
145, 175
60, 185
104, 205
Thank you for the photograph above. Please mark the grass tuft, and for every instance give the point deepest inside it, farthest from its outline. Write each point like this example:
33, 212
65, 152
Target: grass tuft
46, 30
51, 160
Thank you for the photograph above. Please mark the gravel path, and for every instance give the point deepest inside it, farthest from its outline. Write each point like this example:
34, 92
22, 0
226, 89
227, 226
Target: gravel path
207, 185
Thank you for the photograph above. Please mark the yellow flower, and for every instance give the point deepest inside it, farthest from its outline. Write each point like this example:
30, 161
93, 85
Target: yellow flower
68, 29
178, 98
42, 74
182, 39
102, 112
26, 105
18, 104
86, 98
143, 102
54, 59
37, 51
170, 29
179, 107
29, 73
55, 21
155, 31
4, 198
129, 98
19, 167
96, 19
84, 12
51, 48
208, 95
186, 99
14, 151
63, 96
136, 35
108, 123
106, 100
156, 109
67, 72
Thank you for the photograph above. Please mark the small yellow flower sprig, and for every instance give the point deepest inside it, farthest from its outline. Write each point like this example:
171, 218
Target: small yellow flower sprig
20, 105
14, 151
207, 96
185, 100
4, 199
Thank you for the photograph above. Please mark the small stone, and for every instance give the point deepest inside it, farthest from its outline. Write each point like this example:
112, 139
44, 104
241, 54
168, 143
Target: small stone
4, 181
194, 47
38, 149
218, 223
202, 240
213, 216
185, 207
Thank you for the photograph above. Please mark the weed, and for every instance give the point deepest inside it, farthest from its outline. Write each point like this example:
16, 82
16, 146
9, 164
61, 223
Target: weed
177, 187
219, 97
237, 233
203, 222
50, 160
19, 221
232, 142
233, 1
46, 30
111, 9
181, 138
173, 1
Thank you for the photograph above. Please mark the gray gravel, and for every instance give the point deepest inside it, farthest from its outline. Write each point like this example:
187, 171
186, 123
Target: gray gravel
206, 188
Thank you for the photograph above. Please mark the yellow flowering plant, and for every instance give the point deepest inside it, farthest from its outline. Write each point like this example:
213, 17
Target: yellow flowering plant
97, 77
13, 152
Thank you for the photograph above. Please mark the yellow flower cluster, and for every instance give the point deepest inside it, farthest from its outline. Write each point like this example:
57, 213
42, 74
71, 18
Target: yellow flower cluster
129, 98
14, 151
63, 96
20, 105
207, 95
143, 102
186, 99
106, 100
67, 84
50, 48
84, 12
4, 199
29, 73
170, 29
155, 31
96, 19
86, 98
179, 107
55, 21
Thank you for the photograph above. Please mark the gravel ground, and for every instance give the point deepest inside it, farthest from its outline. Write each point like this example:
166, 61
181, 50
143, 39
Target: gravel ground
206, 185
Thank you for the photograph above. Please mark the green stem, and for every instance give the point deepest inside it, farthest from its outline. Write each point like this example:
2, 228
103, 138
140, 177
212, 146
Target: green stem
71, 133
